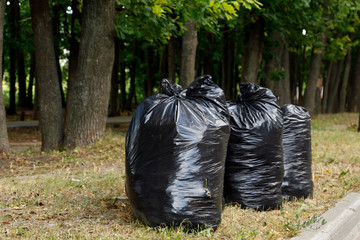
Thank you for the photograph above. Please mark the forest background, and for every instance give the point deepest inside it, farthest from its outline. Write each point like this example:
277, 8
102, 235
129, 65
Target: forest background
74, 63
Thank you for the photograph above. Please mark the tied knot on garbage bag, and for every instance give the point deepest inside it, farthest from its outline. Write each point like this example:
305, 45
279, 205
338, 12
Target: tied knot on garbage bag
175, 155
254, 163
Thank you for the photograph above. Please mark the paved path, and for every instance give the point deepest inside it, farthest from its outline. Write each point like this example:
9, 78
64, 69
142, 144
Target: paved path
341, 222
110, 120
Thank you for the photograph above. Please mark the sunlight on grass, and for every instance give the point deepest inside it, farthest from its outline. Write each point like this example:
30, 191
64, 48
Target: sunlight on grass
80, 193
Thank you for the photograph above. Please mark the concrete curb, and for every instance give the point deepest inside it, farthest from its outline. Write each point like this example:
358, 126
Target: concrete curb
342, 222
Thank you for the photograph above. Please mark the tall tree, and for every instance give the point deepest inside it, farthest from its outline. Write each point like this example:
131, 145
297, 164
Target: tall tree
91, 88
4, 142
188, 54
51, 117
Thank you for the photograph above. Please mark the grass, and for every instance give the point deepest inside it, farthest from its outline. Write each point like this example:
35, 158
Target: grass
79, 194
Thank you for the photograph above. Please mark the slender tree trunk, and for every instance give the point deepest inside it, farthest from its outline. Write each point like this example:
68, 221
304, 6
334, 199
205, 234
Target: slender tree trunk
123, 85
51, 118
4, 141
57, 37
12, 71
285, 62
354, 102
228, 78
114, 92
150, 74
208, 54
89, 104
331, 72
188, 54
19, 56
334, 89
171, 60
314, 74
73, 58
132, 92
345, 81
253, 53
29, 98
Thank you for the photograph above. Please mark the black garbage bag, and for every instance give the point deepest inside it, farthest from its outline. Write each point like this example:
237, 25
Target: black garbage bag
297, 153
175, 156
254, 164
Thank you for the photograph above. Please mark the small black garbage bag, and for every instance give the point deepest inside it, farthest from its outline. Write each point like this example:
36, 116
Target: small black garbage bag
297, 153
254, 164
175, 156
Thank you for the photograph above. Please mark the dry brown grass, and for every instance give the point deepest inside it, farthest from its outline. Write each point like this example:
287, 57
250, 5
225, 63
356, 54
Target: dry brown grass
79, 194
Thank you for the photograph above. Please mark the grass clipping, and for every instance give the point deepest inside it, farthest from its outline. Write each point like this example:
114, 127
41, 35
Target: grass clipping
80, 193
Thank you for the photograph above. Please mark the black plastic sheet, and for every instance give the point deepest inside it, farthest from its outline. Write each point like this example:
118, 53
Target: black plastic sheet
175, 155
297, 153
254, 163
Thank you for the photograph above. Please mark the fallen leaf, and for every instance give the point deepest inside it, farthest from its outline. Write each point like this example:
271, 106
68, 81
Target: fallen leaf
7, 223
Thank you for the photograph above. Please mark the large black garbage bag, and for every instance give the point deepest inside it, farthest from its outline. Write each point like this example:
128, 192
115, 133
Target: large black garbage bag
254, 163
175, 155
297, 153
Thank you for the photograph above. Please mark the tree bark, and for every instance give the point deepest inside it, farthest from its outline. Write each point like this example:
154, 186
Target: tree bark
354, 101
171, 60
132, 90
89, 104
228, 78
74, 55
150, 74
56, 32
29, 97
51, 118
188, 54
334, 89
345, 81
114, 92
12, 52
314, 74
4, 141
19, 57
253, 53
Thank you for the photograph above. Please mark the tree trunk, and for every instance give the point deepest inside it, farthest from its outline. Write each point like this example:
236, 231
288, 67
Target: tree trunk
331, 72
253, 53
354, 101
29, 98
345, 81
74, 55
56, 32
114, 92
51, 118
19, 55
314, 74
89, 104
285, 82
123, 85
171, 60
12, 71
334, 89
150, 74
4, 141
132, 92
228, 78
188, 54
208, 55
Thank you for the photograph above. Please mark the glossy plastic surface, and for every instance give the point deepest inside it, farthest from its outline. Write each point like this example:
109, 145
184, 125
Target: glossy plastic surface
175, 155
254, 164
297, 153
